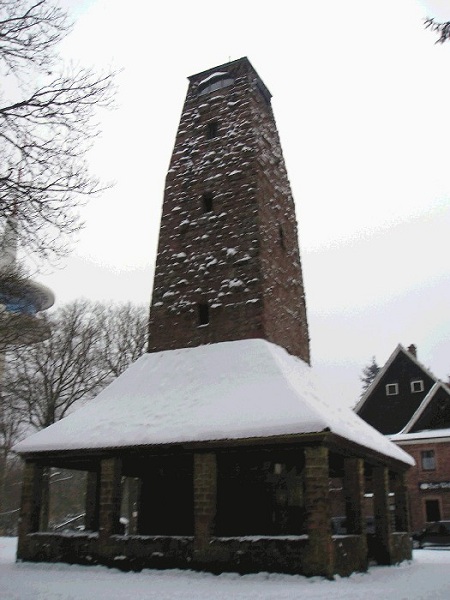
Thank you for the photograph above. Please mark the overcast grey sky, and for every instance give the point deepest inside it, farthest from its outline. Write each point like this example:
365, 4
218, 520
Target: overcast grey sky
360, 94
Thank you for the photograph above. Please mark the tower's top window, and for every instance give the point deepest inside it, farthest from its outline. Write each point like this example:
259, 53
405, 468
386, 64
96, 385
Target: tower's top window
213, 82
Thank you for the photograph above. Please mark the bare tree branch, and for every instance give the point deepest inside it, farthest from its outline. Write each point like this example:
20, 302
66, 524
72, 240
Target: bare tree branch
443, 29
46, 131
28, 33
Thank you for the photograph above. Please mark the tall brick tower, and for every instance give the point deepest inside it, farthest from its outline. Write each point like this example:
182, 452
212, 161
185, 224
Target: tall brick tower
228, 264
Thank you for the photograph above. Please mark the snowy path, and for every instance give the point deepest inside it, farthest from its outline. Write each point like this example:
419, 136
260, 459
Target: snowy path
426, 578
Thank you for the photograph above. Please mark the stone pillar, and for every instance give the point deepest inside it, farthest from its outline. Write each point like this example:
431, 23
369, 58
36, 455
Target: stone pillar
383, 528
354, 484
30, 508
402, 522
145, 511
354, 495
134, 504
92, 501
319, 559
205, 501
110, 498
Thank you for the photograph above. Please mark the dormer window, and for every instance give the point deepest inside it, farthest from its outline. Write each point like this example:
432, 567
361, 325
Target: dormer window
417, 386
392, 389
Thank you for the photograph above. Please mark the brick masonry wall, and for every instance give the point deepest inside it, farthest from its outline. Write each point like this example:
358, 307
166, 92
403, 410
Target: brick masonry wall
285, 319
417, 475
231, 257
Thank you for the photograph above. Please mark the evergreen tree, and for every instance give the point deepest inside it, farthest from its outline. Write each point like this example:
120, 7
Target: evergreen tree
369, 373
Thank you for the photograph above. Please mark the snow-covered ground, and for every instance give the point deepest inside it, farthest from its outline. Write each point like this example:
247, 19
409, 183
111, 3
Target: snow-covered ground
427, 577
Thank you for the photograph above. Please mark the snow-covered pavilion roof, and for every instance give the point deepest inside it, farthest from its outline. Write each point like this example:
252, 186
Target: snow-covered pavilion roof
224, 391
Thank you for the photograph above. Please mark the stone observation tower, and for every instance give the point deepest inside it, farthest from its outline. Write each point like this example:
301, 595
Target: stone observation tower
232, 458
228, 265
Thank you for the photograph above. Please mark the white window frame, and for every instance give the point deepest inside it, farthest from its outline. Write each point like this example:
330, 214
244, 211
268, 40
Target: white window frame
428, 463
392, 389
413, 385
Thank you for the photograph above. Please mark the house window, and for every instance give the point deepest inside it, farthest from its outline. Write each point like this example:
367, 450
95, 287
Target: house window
428, 460
417, 386
432, 510
203, 314
212, 129
392, 389
207, 202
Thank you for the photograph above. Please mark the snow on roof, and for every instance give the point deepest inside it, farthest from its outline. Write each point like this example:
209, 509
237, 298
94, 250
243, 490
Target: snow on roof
228, 390
437, 435
213, 76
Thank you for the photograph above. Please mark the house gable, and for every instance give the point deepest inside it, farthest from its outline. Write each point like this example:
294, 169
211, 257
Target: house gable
435, 413
396, 393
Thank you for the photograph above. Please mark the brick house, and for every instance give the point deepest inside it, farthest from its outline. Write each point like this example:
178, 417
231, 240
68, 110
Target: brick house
410, 405
217, 434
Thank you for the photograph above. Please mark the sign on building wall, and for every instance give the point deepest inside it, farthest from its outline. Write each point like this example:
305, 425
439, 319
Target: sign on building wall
434, 486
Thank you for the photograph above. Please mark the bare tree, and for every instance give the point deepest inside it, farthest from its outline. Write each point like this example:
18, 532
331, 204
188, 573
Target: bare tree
44, 380
10, 433
90, 345
124, 336
29, 31
442, 29
45, 128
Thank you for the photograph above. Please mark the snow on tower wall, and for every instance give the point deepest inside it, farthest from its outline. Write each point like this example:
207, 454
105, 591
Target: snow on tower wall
228, 264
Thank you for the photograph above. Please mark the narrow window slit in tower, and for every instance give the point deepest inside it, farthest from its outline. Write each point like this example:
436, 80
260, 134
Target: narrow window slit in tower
203, 313
281, 237
211, 129
207, 202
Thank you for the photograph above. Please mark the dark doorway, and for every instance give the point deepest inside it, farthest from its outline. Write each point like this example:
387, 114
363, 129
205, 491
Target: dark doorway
260, 493
433, 510
166, 504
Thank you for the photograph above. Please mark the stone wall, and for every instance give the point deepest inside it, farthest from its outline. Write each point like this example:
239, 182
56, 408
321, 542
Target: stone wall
242, 555
350, 554
76, 548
